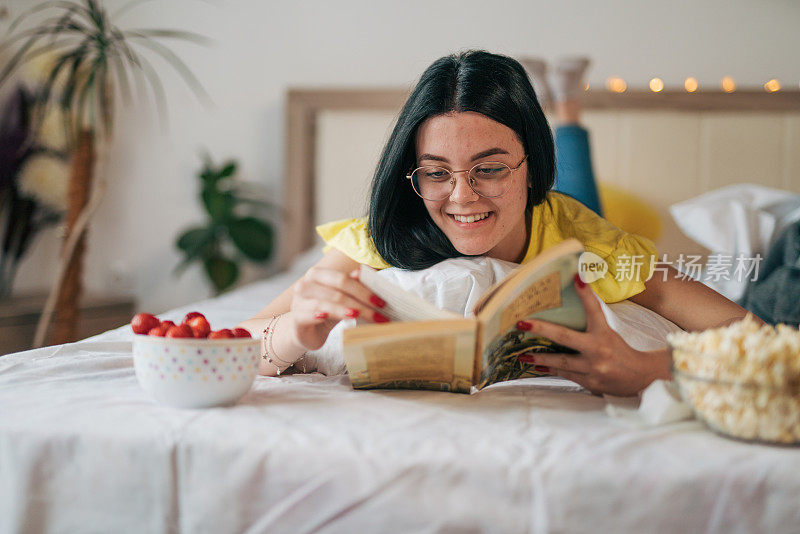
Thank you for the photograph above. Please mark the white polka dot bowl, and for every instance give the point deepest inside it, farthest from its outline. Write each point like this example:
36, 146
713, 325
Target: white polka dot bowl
195, 373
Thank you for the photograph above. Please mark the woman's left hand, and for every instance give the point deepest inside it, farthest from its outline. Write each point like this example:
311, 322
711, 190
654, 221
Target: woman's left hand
605, 363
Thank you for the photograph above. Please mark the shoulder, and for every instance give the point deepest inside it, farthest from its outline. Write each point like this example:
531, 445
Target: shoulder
352, 238
630, 257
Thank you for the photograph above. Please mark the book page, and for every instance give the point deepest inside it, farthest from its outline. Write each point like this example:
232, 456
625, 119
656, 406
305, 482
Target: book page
544, 292
401, 305
424, 355
496, 296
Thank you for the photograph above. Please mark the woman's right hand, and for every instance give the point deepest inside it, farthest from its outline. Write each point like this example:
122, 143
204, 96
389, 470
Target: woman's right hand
322, 298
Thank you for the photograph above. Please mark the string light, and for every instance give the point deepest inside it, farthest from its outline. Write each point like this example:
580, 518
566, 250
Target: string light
616, 85
586, 88
772, 86
728, 85
656, 85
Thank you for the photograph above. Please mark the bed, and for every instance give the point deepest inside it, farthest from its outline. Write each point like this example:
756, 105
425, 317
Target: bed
82, 449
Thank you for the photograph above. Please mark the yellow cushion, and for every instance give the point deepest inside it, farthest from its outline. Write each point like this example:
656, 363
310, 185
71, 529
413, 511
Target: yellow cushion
628, 212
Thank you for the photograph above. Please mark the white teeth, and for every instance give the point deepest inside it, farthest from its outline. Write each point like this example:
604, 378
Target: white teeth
470, 218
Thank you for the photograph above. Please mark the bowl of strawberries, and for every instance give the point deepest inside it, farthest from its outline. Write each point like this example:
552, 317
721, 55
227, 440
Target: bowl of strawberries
189, 365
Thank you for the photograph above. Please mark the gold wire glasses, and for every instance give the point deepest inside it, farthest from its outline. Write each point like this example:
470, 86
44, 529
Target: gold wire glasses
489, 179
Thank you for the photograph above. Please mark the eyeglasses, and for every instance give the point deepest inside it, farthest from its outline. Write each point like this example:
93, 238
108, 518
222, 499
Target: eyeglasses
489, 180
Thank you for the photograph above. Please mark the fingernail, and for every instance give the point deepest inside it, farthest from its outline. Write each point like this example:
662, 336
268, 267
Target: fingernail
352, 312
578, 281
525, 358
541, 368
524, 325
321, 315
380, 318
377, 301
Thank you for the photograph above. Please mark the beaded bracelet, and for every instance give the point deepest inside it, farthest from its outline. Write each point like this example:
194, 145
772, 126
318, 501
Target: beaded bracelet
268, 351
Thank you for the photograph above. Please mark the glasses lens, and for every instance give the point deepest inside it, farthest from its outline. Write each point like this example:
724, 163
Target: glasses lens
432, 183
491, 179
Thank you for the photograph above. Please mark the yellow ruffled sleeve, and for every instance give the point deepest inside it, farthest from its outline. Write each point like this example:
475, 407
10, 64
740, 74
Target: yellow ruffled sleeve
630, 258
351, 237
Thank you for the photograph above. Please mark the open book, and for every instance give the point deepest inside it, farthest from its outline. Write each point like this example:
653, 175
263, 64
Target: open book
425, 347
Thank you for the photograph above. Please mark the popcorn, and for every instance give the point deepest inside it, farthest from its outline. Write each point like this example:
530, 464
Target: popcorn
742, 380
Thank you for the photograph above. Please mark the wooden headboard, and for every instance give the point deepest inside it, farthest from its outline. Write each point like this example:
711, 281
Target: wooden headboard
662, 147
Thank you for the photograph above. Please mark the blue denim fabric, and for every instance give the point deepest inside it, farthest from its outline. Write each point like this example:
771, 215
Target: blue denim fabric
574, 176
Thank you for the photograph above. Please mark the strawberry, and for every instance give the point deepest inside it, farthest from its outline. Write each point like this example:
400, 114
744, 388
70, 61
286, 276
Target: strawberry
199, 326
142, 323
168, 324
225, 333
183, 330
159, 330
241, 332
191, 315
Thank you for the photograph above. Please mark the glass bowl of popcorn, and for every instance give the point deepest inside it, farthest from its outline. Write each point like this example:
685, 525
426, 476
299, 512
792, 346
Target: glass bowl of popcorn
743, 380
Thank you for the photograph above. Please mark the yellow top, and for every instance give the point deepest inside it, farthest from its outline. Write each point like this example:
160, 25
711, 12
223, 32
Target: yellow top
630, 257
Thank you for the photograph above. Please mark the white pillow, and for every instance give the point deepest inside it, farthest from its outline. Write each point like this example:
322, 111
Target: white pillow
457, 284
741, 219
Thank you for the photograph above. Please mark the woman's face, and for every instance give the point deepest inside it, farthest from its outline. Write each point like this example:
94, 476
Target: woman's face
457, 141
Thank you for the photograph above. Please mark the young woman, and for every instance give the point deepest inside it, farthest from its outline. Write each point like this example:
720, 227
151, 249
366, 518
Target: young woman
468, 171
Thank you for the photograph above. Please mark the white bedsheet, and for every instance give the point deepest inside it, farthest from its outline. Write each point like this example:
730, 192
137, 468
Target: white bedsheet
82, 449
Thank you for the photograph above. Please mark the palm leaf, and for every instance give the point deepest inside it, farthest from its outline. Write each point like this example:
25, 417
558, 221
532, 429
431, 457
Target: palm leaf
71, 84
64, 4
92, 51
172, 34
96, 13
123, 78
80, 110
176, 62
16, 59
157, 87
106, 113
124, 52
43, 97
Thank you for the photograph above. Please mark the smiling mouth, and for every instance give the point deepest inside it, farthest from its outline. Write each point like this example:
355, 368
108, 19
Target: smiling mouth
470, 218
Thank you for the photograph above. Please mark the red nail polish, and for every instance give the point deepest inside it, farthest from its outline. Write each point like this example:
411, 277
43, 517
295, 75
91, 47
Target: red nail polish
541, 368
321, 315
578, 281
524, 325
377, 301
352, 312
525, 358
380, 318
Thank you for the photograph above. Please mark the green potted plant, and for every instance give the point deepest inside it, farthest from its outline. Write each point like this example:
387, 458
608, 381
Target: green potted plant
94, 63
231, 234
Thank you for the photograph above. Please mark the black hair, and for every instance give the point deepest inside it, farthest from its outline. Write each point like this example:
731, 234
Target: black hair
490, 84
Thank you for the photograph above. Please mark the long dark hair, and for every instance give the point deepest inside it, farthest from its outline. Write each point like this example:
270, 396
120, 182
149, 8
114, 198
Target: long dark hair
495, 86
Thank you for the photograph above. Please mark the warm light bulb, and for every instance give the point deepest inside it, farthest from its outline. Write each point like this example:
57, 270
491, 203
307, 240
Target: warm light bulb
616, 85
656, 85
690, 84
772, 86
728, 85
